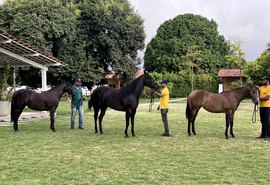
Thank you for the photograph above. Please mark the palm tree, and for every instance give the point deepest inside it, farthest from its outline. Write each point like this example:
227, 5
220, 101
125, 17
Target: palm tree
268, 46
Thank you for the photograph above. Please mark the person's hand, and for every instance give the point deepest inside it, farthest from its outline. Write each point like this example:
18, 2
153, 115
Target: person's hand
83, 98
158, 108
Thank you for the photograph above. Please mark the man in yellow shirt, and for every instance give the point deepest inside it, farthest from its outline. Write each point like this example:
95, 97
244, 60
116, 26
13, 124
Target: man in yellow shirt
264, 97
164, 106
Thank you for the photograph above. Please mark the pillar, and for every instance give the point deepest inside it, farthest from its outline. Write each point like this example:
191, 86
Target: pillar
44, 78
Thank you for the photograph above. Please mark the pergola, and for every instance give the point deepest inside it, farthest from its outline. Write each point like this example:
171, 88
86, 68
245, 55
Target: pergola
17, 53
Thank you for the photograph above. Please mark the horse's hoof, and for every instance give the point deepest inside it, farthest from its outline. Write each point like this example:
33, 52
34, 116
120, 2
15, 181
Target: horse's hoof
96, 132
233, 136
133, 135
194, 133
227, 137
189, 134
101, 133
126, 136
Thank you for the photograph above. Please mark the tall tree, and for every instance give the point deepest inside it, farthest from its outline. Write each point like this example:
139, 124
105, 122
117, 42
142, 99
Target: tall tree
114, 33
175, 37
268, 46
87, 35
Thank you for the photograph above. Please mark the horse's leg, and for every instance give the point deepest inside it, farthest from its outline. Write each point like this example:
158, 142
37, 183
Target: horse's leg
189, 123
227, 124
127, 122
231, 124
193, 120
102, 113
15, 116
132, 123
96, 110
52, 111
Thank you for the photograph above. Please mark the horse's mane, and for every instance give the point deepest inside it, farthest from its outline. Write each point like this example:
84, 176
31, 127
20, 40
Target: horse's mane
58, 85
239, 88
127, 90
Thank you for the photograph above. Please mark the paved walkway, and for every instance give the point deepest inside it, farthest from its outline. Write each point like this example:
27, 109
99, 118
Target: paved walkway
24, 116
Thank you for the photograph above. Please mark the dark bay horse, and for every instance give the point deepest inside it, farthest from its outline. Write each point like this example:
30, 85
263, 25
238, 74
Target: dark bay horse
124, 99
45, 101
226, 102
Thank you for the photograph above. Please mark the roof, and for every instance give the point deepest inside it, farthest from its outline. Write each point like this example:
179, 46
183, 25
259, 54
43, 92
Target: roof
12, 49
230, 73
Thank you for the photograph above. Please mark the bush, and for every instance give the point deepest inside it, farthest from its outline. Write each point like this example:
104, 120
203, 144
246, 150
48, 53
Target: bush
180, 84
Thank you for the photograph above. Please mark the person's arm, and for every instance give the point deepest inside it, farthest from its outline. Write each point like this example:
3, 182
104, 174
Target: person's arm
159, 94
264, 98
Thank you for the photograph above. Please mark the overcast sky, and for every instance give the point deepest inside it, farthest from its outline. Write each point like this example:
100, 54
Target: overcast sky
250, 19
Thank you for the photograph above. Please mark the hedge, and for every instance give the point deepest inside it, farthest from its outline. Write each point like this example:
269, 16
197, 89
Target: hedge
180, 84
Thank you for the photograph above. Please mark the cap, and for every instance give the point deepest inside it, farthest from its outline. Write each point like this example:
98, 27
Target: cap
266, 78
78, 80
163, 82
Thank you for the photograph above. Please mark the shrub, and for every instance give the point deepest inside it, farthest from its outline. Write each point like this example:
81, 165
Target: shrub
180, 84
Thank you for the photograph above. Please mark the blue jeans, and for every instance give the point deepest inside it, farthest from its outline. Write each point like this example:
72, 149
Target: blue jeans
74, 109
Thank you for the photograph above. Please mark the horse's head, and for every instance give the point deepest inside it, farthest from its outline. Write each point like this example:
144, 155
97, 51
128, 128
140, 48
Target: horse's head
150, 82
68, 88
253, 92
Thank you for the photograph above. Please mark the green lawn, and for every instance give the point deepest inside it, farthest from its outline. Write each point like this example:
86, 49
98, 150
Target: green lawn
35, 155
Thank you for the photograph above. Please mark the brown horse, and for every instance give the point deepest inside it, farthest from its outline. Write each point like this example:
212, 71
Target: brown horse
226, 102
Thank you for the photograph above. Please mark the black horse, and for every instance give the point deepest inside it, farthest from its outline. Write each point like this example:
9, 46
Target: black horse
45, 101
124, 99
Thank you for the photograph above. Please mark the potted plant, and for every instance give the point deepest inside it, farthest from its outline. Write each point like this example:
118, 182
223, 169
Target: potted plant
5, 94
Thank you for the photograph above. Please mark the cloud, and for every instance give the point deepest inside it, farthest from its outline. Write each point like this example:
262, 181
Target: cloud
248, 19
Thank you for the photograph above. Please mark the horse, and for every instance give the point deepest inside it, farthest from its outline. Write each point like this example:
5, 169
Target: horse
124, 99
45, 101
226, 102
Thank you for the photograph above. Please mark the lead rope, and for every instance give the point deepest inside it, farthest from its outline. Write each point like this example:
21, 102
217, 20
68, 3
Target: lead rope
255, 110
152, 101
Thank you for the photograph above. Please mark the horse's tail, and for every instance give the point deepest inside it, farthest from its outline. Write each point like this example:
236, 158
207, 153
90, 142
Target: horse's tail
12, 110
90, 103
188, 111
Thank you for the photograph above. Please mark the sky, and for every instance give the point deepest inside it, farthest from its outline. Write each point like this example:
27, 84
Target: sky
247, 19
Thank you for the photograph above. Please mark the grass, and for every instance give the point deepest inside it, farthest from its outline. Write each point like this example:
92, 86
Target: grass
35, 155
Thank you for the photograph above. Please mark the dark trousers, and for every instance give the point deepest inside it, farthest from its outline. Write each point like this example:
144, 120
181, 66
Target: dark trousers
164, 113
265, 120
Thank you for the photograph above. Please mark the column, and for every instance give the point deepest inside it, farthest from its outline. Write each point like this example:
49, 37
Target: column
44, 78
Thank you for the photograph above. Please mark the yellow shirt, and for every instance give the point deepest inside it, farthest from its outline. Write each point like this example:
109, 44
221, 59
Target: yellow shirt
164, 100
264, 91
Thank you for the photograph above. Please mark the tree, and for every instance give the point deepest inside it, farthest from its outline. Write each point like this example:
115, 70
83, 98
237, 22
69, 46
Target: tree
268, 46
175, 37
114, 34
47, 25
192, 60
87, 35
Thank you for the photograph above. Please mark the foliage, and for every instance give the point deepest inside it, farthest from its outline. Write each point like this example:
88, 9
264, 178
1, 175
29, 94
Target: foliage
180, 84
87, 35
37, 156
167, 50
260, 68
114, 33
236, 57
5, 94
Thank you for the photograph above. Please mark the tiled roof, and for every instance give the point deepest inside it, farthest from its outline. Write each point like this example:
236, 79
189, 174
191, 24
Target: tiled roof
230, 73
16, 46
